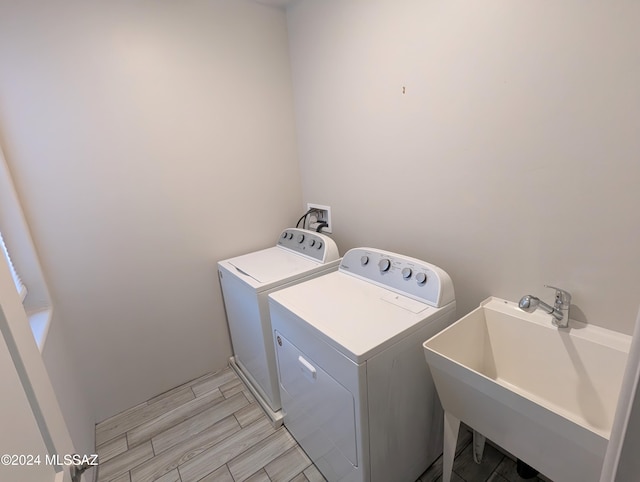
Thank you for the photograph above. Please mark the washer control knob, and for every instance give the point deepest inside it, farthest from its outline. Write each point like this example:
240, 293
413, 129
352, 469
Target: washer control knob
319, 245
384, 265
406, 273
421, 278
364, 260
300, 238
284, 235
290, 236
312, 242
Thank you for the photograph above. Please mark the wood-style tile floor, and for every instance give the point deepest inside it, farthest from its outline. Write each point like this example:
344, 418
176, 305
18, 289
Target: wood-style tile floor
495, 466
212, 429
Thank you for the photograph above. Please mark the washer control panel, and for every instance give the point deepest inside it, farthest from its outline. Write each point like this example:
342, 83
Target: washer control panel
314, 245
405, 275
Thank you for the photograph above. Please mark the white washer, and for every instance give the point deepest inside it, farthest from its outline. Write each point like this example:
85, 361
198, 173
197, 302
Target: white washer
355, 390
246, 282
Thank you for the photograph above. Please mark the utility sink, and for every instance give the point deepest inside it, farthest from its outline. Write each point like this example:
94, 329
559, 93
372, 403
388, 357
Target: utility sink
546, 395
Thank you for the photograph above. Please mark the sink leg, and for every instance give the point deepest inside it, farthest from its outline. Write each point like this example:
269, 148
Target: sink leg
451, 427
478, 446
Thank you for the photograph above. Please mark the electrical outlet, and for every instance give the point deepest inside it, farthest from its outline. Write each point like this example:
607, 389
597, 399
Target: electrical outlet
322, 215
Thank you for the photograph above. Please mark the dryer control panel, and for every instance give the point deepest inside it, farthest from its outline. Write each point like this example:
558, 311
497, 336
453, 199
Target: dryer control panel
408, 276
309, 243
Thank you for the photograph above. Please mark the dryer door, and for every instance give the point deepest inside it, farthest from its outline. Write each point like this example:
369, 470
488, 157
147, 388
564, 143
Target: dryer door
319, 411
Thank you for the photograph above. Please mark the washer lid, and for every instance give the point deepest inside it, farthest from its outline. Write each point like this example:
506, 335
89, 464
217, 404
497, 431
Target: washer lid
357, 317
272, 264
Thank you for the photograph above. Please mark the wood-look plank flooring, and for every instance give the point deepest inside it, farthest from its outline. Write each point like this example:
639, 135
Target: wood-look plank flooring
496, 465
212, 429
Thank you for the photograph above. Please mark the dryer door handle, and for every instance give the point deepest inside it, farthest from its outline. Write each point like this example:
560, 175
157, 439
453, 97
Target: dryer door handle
308, 370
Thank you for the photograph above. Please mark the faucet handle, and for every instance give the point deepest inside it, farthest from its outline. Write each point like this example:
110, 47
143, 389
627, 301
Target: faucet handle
563, 298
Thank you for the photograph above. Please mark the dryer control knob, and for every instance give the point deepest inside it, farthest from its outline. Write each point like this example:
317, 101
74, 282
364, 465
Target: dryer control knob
300, 238
421, 278
384, 265
312, 242
406, 273
364, 260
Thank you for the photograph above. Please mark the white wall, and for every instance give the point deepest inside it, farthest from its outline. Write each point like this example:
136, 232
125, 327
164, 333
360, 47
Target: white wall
147, 140
59, 357
511, 159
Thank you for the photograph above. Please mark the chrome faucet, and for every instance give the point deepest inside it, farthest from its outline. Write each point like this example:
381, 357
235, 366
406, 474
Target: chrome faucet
559, 310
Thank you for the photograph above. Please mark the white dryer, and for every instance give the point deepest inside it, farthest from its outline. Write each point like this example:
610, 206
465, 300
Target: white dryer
246, 282
355, 390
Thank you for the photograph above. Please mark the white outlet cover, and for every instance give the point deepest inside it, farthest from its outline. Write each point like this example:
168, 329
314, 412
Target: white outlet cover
323, 207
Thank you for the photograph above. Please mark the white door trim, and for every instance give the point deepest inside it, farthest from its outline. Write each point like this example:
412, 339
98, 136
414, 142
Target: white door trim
30, 368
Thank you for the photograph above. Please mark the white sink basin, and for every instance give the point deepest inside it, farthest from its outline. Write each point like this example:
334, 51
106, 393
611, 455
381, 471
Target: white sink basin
547, 395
